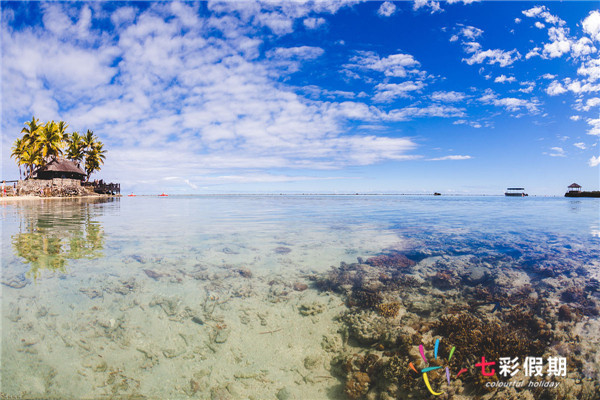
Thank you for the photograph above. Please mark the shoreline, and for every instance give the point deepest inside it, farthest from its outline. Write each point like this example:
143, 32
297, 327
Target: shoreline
16, 199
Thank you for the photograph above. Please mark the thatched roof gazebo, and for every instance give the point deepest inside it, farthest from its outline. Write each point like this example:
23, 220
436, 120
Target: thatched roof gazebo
64, 169
573, 187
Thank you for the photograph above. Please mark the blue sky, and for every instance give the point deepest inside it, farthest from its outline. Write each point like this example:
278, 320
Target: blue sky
314, 96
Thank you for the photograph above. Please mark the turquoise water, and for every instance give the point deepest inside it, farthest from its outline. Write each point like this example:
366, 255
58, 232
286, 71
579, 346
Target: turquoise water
204, 296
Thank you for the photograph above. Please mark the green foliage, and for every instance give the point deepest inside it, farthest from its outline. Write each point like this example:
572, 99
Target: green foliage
41, 144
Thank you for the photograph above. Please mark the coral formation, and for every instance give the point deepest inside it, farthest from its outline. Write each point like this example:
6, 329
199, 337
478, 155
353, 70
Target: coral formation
389, 310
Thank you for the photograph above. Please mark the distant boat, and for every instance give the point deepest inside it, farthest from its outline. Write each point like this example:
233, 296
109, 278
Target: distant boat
515, 192
162, 195
437, 194
131, 195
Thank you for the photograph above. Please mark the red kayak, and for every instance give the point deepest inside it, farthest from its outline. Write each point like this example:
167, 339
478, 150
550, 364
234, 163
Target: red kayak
161, 195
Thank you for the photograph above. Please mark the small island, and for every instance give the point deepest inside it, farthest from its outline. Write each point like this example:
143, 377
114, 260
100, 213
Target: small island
575, 191
54, 163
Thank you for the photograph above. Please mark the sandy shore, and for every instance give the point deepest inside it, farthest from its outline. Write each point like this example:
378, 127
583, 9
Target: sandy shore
17, 199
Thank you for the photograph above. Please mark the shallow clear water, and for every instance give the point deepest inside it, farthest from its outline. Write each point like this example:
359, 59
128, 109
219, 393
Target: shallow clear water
201, 296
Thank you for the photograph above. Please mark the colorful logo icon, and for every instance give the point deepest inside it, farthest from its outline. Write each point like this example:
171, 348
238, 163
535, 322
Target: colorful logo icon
425, 370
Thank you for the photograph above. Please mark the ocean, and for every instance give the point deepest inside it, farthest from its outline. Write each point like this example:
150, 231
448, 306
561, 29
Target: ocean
301, 297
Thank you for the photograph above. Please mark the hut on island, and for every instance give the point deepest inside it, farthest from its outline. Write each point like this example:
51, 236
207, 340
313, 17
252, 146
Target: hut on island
61, 169
575, 191
573, 187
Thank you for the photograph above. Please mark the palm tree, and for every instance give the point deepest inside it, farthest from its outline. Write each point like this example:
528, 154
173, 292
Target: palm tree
75, 148
17, 153
31, 158
62, 127
31, 131
49, 141
94, 158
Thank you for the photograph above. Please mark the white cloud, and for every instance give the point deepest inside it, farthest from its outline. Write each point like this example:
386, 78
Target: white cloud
591, 103
408, 113
313, 23
557, 152
386, 92
395, 65
386, 9
591, 25
579, 87
448, 97
539, 25
470, 32
548, 76
559, 45
431, 4
590, 69
532, 53
582, 47
555, 88
462, 1
594, 161
580, 145
473, 124
517, 20
503, 78
510, 103
530, 85
496, 56
575, 117
451, 158
542, 12
594, 124
301, 52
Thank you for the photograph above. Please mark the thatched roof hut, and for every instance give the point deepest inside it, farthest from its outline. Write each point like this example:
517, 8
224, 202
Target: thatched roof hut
61, 169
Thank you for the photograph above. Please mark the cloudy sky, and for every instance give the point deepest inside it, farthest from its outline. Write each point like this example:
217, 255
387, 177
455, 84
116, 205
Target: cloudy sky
314, 96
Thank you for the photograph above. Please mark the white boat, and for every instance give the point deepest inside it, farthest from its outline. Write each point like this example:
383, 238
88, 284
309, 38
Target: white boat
515, 192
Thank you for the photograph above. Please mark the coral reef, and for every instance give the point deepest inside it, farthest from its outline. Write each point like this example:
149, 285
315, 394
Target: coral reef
389, 310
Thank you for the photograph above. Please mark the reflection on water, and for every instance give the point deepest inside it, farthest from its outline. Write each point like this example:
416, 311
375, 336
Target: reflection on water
63, 231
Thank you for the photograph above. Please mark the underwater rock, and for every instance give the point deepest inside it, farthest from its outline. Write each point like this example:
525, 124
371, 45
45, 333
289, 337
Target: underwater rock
444, 280
221, 333
92, 293
476, 275
196, 319
299, 286
358, 385
285, 394
125, 286
17, 281
245, 272
227, 250
368, 299
389, 310
312, 362
169, 305
565, 313
396, 260
313, 308
368, 328
282, 250
138, 258
220, 393
153, 274
14, 312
